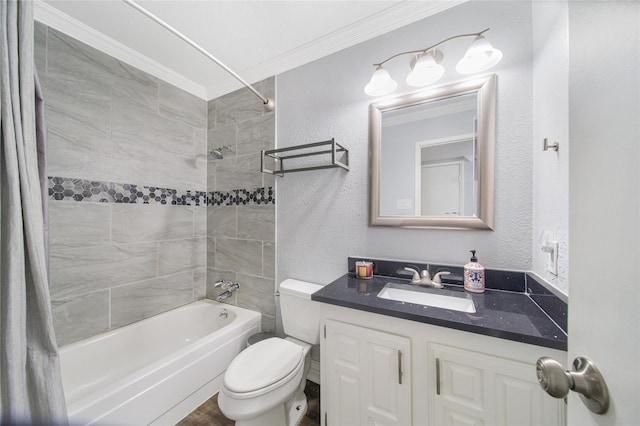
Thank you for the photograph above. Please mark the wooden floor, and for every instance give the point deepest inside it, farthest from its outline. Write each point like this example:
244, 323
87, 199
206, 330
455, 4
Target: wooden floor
209, 414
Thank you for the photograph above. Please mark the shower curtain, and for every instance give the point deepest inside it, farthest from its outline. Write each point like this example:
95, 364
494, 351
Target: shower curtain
30, 381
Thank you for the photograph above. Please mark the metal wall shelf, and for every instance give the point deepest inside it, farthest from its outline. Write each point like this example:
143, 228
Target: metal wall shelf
327, 148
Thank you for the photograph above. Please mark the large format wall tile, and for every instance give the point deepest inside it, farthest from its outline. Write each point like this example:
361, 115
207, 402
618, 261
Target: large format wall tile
135, 87
109, 121
268, 259
177, 104
82, 270
257, 222
200, 143
128, 162
239, 255
222, 137
80, 318
256, 134
76, 65
70, 146
200, 283
137, 301
241, 226
257, 294
237, 106
40, 50
139, 125
211, 253
79, 224
120, 137
146, 222
180, 171
238, 172
200, 222
222, 221
113, 263
181, 255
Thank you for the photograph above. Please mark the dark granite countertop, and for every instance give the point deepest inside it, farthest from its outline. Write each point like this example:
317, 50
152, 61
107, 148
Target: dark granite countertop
511, 315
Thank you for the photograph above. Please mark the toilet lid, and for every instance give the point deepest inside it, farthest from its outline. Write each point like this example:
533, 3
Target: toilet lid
262, 364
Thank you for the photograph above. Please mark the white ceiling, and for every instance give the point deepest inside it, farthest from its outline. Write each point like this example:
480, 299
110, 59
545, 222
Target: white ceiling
256, 39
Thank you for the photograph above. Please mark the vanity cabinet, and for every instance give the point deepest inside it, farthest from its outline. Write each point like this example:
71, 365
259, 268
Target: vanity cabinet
368, 374
476, 389
382, 370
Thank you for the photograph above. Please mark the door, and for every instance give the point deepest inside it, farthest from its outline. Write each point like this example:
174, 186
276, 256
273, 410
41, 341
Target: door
441, 189
604, 203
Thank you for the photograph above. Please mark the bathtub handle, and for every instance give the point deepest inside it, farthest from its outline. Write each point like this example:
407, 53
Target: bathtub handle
223, 283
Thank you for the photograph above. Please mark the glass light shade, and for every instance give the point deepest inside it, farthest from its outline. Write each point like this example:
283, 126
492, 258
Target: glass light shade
425, 71
380, 84
479, 56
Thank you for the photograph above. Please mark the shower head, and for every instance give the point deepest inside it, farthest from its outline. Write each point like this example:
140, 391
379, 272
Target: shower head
217, 153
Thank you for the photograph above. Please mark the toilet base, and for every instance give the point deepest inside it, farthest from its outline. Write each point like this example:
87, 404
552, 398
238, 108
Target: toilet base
290, 413
296, 408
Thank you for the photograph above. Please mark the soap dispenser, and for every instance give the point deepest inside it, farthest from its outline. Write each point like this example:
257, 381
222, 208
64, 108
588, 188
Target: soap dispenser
474, 275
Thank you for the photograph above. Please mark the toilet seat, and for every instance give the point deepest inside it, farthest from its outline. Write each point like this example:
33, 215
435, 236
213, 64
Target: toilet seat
263, 367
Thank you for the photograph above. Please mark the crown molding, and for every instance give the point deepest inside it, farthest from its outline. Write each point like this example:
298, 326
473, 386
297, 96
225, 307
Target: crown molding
387, 20
57, 20
396, 16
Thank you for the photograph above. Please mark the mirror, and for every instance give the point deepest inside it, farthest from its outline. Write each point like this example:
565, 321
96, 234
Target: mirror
432, 157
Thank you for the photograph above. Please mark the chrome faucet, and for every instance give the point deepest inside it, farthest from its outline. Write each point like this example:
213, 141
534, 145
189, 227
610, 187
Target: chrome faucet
424, 278
228, 286
224, 284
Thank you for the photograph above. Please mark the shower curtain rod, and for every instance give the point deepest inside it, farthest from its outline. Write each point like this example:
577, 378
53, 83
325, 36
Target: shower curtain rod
269, 104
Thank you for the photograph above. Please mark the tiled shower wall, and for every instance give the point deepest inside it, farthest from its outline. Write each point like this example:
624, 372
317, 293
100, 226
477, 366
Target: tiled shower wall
241, 227
127, 166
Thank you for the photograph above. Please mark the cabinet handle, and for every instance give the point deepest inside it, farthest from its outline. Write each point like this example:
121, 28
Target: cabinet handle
437, 376
399, 367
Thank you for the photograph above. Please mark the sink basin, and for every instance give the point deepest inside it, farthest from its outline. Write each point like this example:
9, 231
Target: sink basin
437, 298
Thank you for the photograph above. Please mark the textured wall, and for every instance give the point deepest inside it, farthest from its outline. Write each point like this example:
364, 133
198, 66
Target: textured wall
241, 221
323, 215
127, 167
551, 120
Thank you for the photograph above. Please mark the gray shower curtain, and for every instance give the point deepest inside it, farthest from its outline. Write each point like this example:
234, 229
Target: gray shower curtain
30, 382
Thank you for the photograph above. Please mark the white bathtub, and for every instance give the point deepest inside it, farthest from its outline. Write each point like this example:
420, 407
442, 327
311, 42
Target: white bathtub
157, 370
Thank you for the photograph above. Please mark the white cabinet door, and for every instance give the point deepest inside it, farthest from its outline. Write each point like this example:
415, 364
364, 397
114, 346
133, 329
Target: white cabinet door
368, 374
477, 389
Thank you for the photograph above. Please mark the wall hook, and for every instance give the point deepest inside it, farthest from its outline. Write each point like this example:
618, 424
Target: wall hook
554, 146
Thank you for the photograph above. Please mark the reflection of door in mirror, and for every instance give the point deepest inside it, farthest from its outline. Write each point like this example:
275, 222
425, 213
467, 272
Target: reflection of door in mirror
428, 134
444, 176
440, 189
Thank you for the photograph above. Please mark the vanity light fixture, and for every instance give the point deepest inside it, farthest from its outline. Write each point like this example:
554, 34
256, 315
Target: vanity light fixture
426, 68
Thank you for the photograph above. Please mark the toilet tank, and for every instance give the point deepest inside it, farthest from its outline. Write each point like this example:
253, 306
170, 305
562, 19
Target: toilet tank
300, 315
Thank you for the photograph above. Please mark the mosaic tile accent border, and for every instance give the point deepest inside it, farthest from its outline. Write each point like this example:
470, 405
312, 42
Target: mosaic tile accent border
69, 189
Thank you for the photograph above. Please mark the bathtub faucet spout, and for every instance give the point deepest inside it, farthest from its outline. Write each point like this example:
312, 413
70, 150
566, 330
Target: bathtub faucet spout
231, 287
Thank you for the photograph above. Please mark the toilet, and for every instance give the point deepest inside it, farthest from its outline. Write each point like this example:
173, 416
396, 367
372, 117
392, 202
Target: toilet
264, 384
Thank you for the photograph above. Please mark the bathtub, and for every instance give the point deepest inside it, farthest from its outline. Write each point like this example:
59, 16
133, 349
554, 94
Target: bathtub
155, 371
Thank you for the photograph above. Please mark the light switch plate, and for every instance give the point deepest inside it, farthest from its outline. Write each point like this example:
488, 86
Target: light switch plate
404, 203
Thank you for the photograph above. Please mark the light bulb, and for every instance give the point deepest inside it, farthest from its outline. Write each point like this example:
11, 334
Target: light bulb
425, 71
479, 56
380, 84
